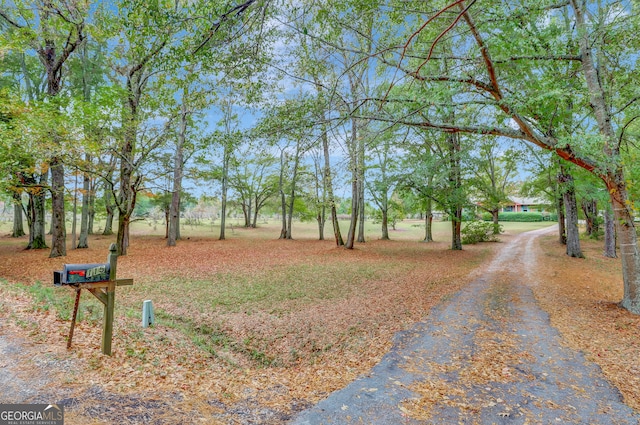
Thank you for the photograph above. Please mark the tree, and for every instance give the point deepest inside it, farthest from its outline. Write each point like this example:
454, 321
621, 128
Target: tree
18, 228
513, 85
494, 169
8, 113
61, 31
421, 169
571, 212
383, 177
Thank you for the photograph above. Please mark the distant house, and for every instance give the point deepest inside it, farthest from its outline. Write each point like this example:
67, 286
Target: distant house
523, 204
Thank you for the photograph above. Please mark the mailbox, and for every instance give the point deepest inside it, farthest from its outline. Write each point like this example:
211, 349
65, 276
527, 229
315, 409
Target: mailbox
72, 274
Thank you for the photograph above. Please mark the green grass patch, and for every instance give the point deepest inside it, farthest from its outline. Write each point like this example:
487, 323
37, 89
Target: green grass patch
268, 289
47, 298
57, 299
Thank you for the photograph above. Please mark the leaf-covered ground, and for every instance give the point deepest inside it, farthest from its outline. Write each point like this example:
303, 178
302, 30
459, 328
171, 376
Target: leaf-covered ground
251, 330
582, 296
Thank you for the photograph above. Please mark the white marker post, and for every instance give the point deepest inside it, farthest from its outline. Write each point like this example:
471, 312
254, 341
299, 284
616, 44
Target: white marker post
148, 318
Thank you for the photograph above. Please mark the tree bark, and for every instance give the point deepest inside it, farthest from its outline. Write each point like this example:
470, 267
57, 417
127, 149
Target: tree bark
571, 208
174, 208
428, 225
495, 216
83, 240
253, 220
226, 160
428, 237
110, 208
329, 184
562, 228
292, 195
609, 235
627, 239
167, 219
18, 226
455, 184
36, 210
355, 193
321, 218
126, 199
361, 211
283, 198
58, 226
385, 224
92, 205
74, 219
351, 234
456, 227
590, 210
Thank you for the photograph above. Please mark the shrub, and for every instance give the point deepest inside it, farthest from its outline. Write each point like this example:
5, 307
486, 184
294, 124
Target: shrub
522, 217
478, 231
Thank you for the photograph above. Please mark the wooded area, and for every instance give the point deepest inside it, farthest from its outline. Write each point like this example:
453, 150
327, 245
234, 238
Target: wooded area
414, 107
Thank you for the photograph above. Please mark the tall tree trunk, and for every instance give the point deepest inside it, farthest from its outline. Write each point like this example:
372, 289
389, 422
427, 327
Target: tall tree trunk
36, 209
167, 219
627, 239
249, 213
283, 198
108, 225
609, 234
83, 241
329, 184
18, 226
349, 243
174, 208
58, 226
355, 193
562, 228
92, 205
361, 211
428, 237
126, 200
456, 228
428, 233
37, 240
255, 213
292, 195
226, 160
455, 184
74, 219
385, 223
122, 239
495, 216
590, 210
571, 209
321, 218
320, 197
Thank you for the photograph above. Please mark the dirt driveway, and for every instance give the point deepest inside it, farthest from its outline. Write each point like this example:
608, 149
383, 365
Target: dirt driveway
487, 356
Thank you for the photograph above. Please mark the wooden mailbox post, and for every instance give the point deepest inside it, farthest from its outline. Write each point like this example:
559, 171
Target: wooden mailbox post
104, 291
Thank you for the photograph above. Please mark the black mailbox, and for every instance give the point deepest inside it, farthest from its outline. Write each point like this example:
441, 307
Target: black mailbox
73, 274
